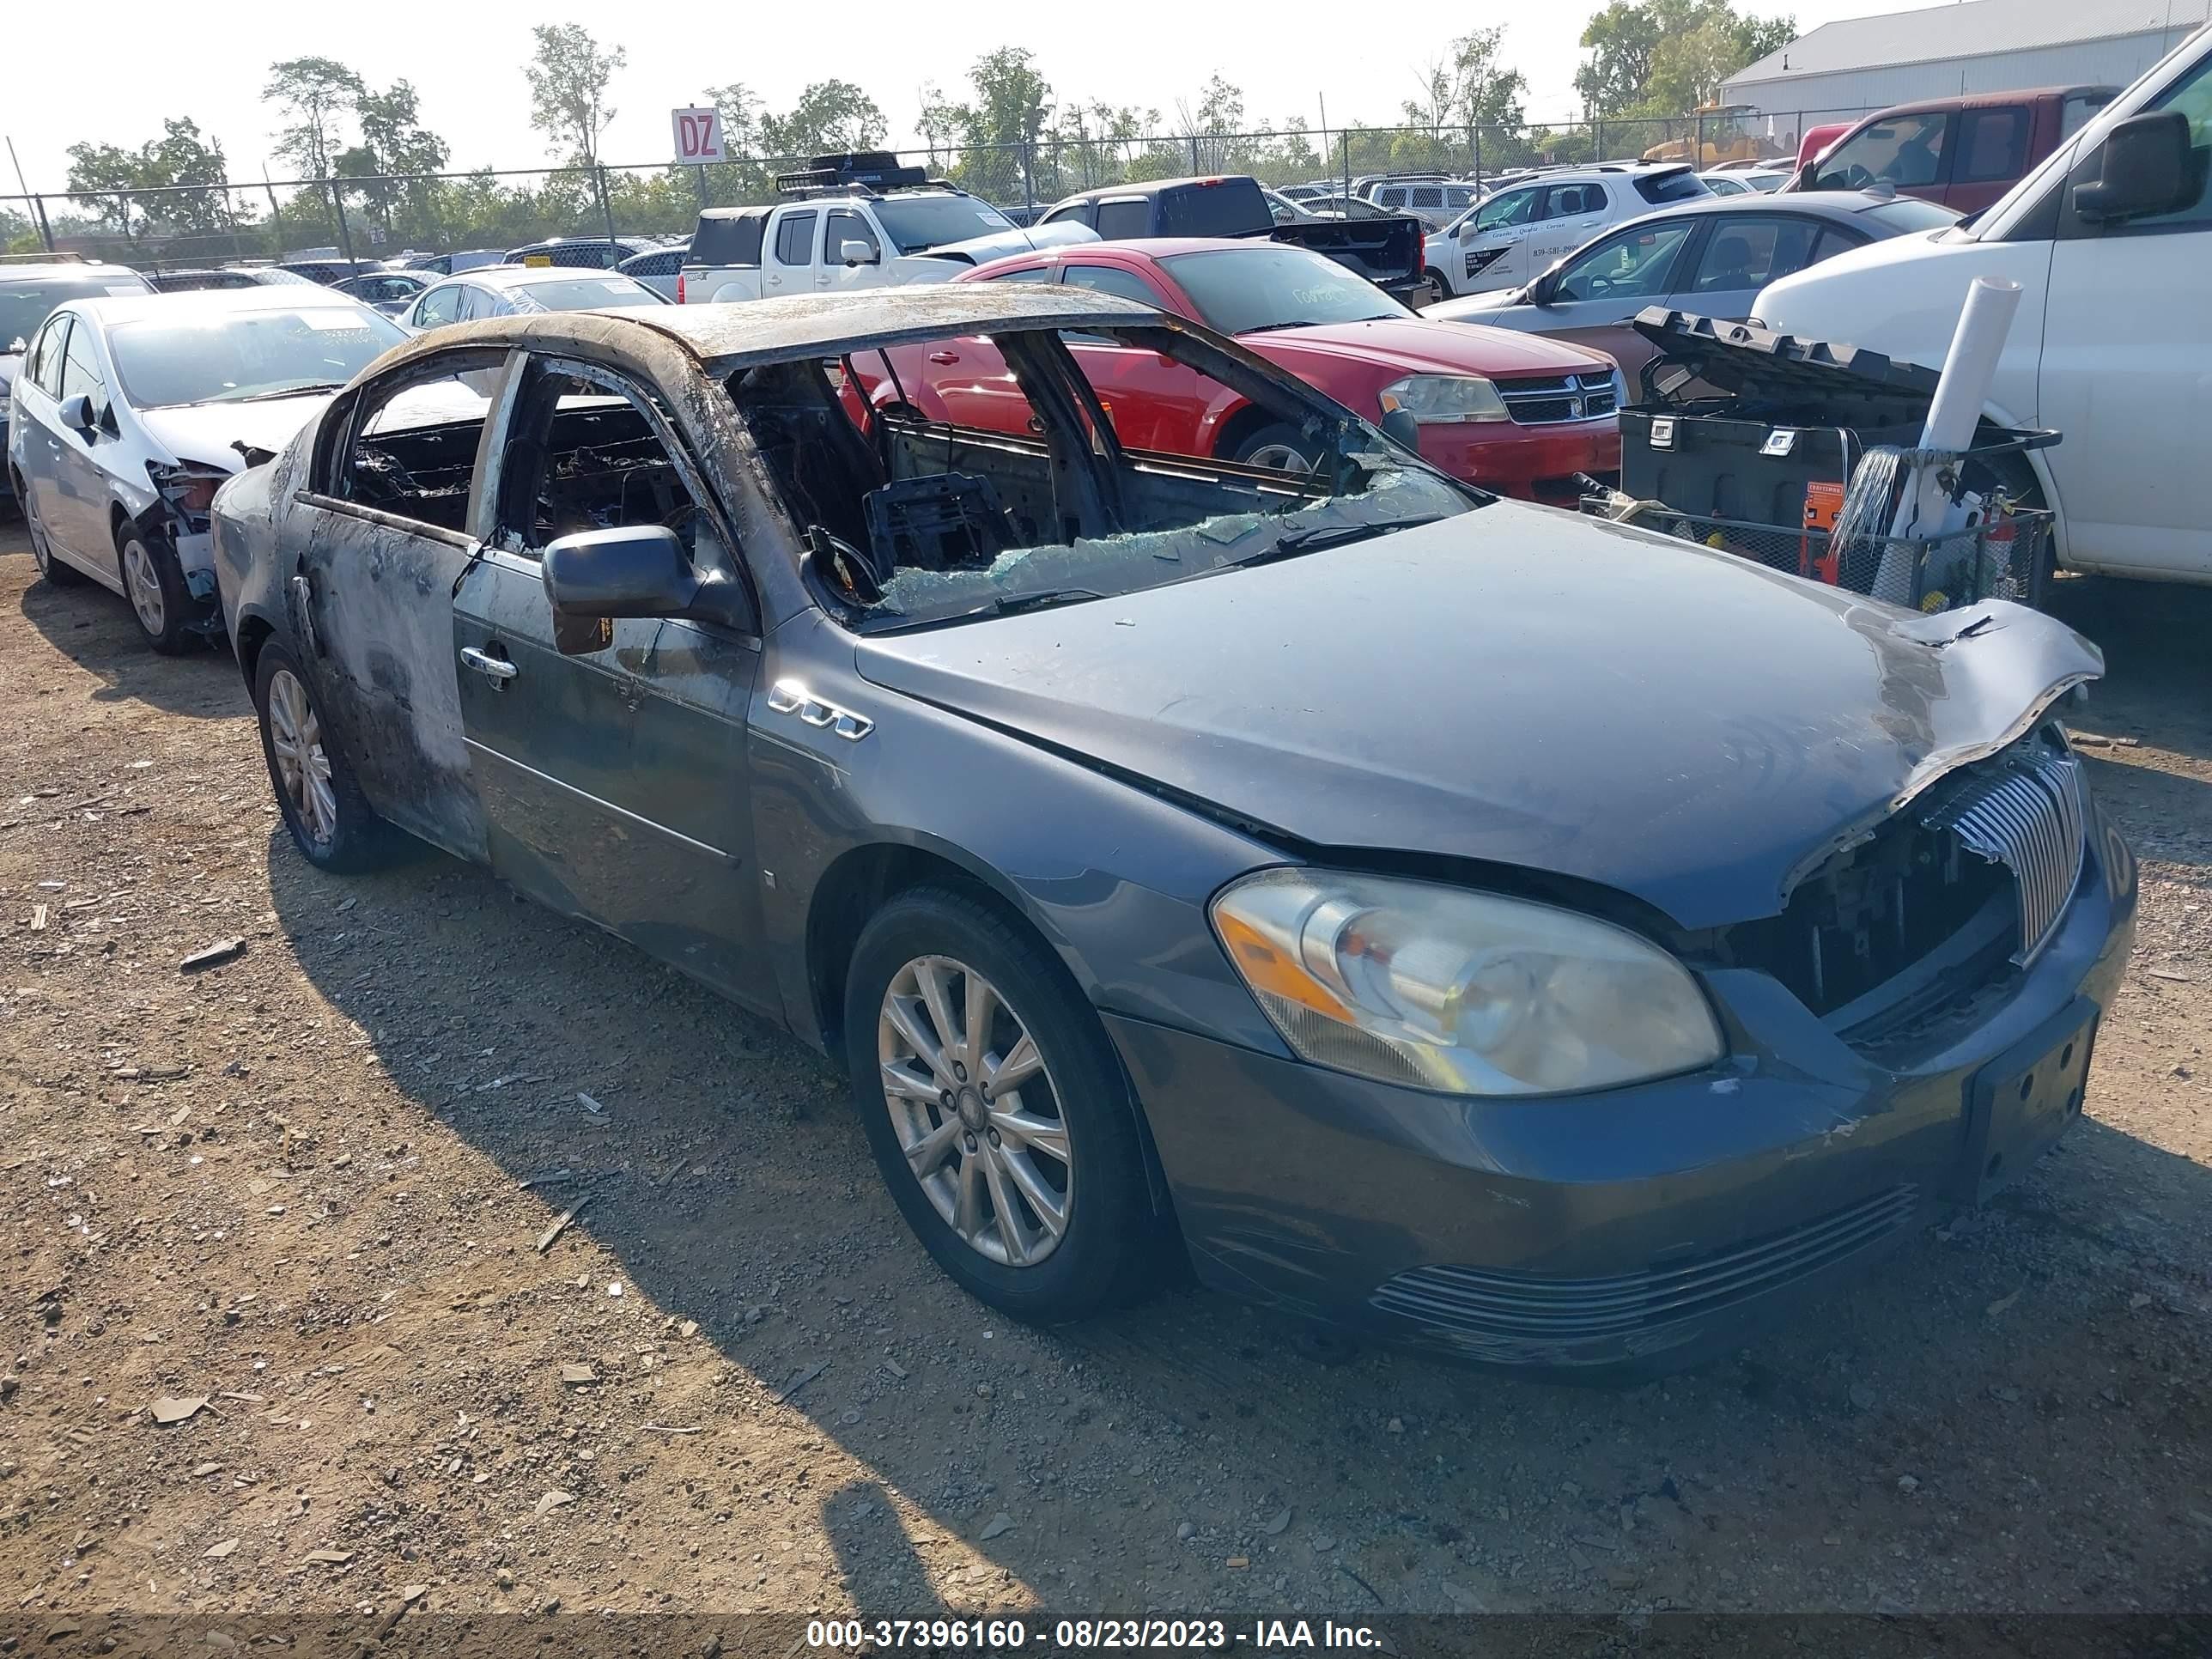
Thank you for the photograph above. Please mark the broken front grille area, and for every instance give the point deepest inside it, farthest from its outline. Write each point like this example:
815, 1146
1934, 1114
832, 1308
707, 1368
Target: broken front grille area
1936, 911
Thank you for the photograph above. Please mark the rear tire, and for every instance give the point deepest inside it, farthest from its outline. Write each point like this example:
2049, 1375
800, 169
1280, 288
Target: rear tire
1033, 1114
331, 821
52, 570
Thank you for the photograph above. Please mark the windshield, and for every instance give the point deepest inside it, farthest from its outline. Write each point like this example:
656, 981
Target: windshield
584, 294
25, 303
228, 358
916, 223
1908, 213
1269, 285
1029, 469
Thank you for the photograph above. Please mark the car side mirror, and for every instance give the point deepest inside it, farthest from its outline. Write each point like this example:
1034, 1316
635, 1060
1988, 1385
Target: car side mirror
18, 346
78, 414
2147, 166
856, 254
1399, 427
634, 570
1545, 289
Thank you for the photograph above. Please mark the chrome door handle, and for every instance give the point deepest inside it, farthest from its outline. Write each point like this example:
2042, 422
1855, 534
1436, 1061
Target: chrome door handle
498, 670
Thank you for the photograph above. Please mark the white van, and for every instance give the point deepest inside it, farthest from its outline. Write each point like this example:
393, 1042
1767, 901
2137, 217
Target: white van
2111, 240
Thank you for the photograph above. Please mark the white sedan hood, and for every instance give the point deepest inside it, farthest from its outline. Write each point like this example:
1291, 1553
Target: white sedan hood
205, 432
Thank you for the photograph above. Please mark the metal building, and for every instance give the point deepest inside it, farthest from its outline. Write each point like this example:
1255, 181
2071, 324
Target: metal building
1860, 64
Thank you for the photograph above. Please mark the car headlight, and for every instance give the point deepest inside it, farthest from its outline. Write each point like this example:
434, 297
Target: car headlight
1473, 993
1436, 399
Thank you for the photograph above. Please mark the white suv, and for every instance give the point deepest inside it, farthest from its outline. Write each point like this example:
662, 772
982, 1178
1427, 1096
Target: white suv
1514, 235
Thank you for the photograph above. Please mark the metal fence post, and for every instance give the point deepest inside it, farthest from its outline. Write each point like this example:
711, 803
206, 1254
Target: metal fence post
607, 202
1194, 167
46, 228
338, 207
1029, 178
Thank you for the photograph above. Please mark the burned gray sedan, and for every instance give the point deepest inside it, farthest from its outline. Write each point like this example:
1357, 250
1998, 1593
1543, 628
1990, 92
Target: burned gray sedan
1452, 919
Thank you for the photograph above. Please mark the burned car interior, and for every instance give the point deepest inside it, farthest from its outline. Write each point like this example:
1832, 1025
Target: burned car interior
907, 517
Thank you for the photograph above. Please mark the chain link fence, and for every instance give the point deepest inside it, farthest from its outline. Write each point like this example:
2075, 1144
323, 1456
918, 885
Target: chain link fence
384, 216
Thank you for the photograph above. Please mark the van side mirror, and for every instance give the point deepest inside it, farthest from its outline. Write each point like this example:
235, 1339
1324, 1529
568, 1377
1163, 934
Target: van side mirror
78, 414
2147, 166
1545, 289
856, 254
632, 570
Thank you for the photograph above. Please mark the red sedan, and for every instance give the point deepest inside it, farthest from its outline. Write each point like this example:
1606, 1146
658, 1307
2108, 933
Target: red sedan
1515, 413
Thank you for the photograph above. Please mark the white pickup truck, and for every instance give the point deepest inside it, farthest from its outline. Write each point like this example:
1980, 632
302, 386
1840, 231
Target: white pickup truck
2110, 239
854, 221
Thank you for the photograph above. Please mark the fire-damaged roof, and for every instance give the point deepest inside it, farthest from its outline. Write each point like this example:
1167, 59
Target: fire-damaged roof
726, 337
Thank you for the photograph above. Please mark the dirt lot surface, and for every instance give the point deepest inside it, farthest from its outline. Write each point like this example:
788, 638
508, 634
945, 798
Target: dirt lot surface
291, 1191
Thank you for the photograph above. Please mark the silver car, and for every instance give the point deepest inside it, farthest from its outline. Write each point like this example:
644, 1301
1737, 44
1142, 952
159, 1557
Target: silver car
130, 413
510, 290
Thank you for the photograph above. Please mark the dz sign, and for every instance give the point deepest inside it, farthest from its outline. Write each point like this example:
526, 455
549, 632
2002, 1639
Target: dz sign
698, 135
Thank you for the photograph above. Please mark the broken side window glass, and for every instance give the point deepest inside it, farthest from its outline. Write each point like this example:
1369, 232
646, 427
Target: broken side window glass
974, 475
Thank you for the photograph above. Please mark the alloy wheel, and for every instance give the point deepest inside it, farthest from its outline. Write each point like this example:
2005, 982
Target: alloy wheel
143, 584
303, 765
1281, 457
973, 1103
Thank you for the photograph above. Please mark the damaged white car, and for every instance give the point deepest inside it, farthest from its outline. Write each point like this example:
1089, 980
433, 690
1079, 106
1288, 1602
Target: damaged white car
131, 411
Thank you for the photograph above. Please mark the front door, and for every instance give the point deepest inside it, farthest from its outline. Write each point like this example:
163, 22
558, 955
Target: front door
75, 510
1598, 292
613, 776
2127, 371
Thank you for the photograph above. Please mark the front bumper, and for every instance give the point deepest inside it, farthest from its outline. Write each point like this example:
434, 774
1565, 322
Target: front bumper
1532, 463
1645, 1228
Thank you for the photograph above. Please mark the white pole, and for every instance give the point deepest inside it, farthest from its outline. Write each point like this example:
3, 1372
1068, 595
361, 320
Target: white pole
1970, 369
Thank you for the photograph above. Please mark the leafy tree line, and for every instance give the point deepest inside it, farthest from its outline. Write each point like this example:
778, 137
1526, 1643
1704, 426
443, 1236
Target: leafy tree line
1007, 134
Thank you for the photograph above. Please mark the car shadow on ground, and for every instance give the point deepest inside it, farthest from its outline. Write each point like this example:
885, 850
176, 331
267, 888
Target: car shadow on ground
731, 1182
94, 629
2157, 641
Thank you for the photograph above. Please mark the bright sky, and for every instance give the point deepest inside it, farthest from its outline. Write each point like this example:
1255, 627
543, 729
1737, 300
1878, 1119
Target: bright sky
144, 61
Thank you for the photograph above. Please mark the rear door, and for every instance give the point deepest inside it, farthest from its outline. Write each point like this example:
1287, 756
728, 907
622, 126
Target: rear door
1992, 153
790, 261
613, 776
1571, 215
389, 512
1742, 252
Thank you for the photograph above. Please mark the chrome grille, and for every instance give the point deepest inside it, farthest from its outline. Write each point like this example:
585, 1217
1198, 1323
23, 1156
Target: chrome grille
1549, 399
2026, 814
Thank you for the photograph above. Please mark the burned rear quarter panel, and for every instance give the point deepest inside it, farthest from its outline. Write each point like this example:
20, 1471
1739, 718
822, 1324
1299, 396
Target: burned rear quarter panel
1079, 853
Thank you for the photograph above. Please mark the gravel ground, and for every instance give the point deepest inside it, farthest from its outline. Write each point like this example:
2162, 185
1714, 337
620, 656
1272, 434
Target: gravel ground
292, 1196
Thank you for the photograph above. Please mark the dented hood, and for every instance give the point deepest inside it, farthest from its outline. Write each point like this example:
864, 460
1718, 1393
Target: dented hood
1521, 686
205, 432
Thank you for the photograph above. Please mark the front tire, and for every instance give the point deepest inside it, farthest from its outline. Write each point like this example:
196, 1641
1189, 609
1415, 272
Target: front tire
331, 821
154, 583
1278, 444
1440, 282
998, 1110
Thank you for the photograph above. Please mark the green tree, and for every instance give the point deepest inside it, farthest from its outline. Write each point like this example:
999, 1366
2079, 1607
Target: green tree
569, 72
1651, 58
185, 167
312, 93
739, 107
831, 117
394, 141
